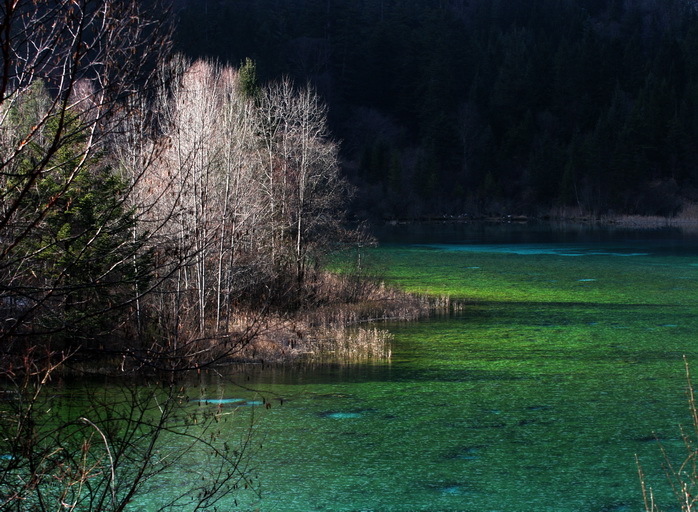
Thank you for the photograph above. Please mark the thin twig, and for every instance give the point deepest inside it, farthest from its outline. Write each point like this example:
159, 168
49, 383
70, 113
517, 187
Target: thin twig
111, 459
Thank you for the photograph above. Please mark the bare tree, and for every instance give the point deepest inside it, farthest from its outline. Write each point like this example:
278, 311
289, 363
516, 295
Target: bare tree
193, 154
77, 254
302, 179
202, 187
238, 197
253, 195
66, 70
319, 191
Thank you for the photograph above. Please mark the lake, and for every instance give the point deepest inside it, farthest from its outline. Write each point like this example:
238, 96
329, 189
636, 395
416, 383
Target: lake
565, 363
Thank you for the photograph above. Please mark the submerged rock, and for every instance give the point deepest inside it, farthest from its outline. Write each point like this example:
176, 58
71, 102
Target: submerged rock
451, 488
455, 490
539, 407
220, 401
466, 453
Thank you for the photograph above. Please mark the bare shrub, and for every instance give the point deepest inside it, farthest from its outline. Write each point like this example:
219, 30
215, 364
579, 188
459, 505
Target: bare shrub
682, 477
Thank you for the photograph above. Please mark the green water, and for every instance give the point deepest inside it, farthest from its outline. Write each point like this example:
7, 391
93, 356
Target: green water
565, 364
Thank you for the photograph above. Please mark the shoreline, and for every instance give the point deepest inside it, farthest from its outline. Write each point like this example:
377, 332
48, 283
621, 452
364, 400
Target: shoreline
687, 219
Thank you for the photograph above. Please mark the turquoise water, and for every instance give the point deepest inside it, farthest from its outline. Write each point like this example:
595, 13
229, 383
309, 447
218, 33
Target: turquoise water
566, 363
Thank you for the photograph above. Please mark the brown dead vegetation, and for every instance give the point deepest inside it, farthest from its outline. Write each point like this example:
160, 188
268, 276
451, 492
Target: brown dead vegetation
340, 322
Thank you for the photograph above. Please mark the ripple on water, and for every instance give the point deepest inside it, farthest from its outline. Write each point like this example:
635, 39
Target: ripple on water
340, 415
616, 507
535, 249
452, 488
539, 407
322, 396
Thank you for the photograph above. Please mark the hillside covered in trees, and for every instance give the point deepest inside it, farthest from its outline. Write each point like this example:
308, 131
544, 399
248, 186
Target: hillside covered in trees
481, 106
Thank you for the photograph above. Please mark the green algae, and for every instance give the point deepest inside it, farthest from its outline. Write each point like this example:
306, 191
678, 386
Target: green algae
564, 364
559, 370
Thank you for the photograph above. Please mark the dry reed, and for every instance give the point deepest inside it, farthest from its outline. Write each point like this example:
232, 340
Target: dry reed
332, 328
683, 478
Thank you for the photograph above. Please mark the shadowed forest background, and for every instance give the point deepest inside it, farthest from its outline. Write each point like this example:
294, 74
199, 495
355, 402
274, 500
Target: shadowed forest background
485, 107
181, 192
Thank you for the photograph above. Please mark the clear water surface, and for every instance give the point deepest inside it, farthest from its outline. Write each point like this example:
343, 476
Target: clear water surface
566, 363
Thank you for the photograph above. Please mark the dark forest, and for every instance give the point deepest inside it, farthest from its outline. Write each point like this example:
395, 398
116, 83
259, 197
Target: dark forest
482, 107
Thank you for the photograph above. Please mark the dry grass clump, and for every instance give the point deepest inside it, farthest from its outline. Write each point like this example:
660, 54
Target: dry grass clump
444, 305
687, 218
287, 341
645, 221
331, 325
348, 299
351, 345
328, 325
